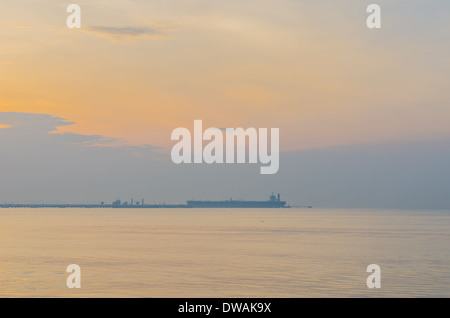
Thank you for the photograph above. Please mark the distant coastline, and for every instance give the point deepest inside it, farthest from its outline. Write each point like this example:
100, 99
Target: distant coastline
273, 202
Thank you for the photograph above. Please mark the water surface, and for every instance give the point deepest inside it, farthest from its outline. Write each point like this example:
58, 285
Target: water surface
224, 252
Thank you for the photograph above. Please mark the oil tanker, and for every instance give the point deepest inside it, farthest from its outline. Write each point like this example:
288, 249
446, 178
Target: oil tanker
273, 202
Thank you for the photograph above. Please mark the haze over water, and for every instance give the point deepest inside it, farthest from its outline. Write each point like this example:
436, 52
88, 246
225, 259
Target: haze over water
224, 252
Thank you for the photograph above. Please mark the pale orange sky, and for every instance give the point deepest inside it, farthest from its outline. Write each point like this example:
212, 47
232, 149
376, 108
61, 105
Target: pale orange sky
139, 69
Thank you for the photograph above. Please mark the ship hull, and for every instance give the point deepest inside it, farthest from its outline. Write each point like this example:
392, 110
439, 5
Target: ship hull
237, 204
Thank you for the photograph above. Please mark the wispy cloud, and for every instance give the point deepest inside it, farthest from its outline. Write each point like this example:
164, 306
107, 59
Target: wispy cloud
130, 33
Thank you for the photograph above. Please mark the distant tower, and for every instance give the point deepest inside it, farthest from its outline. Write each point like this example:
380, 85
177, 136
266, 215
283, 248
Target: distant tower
142, 201
278, 197
131, 201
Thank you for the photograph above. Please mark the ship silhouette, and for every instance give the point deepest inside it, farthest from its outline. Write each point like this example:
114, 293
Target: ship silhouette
273, 202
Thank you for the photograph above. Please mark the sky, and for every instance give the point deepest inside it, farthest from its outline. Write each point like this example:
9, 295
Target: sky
86, 114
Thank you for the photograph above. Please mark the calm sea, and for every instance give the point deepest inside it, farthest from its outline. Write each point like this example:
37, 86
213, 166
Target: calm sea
224, 252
